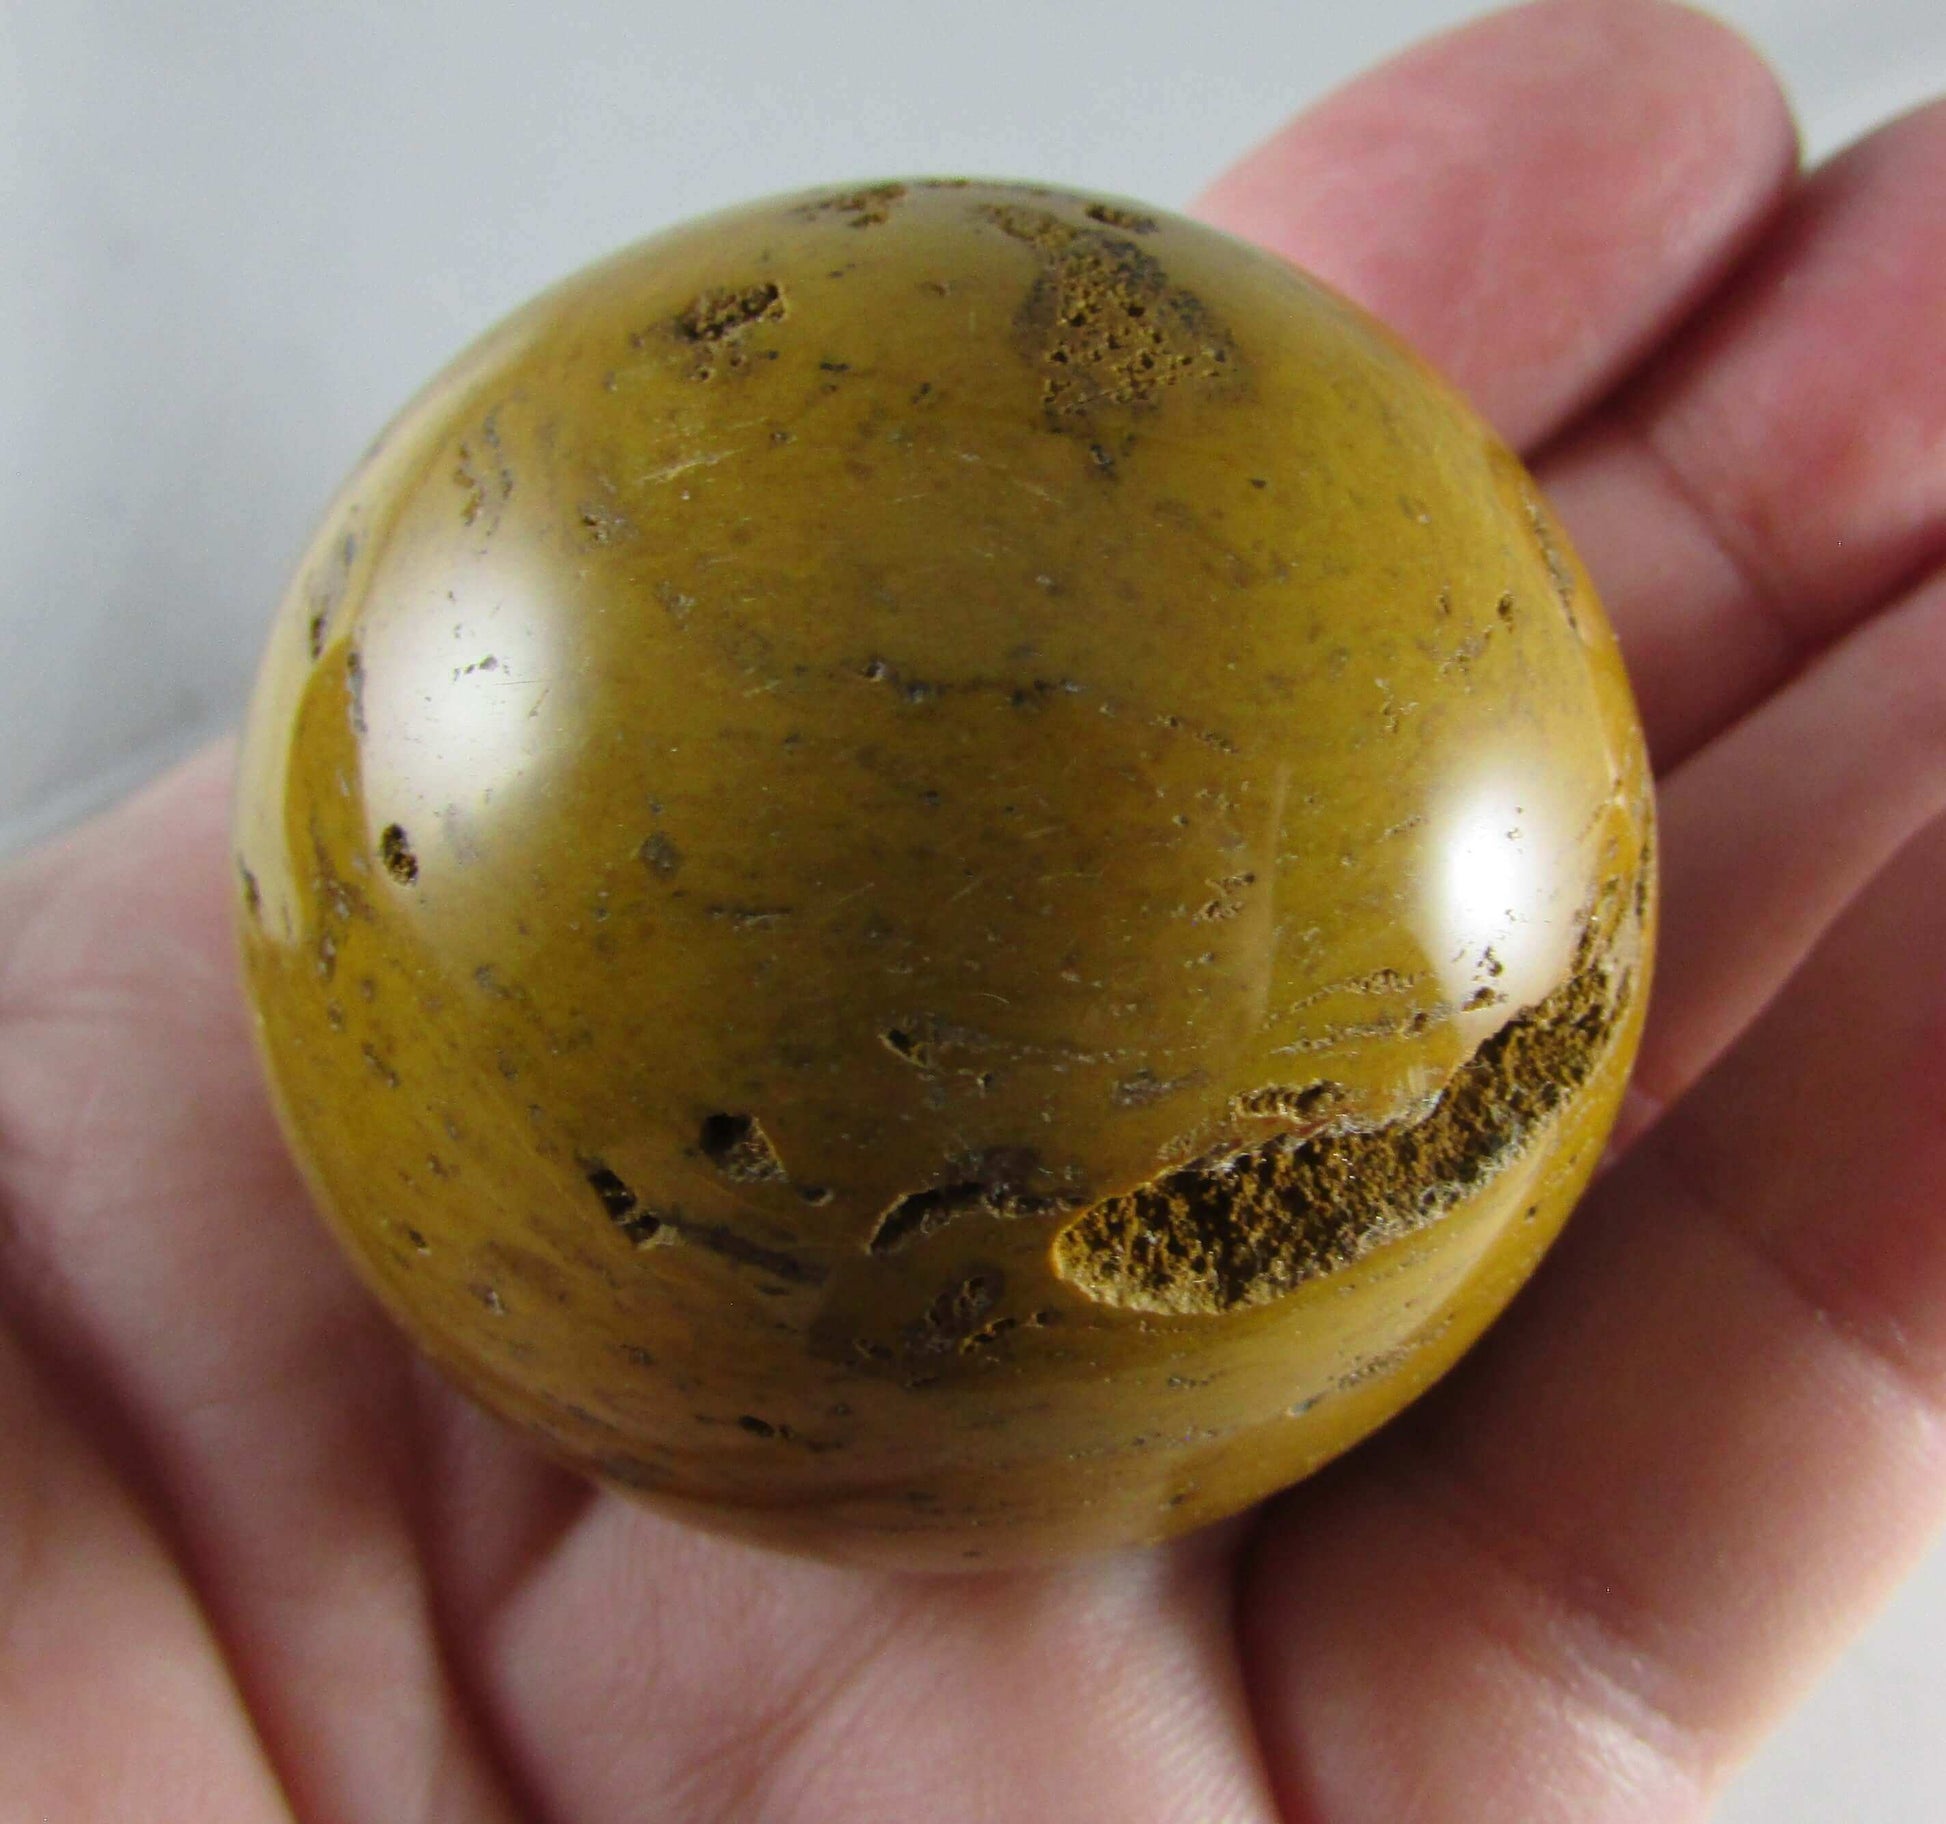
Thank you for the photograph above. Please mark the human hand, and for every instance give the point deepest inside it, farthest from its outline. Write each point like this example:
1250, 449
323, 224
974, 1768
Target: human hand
256, 1562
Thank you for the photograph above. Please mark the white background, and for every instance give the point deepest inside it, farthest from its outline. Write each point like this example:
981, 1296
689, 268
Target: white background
234, 235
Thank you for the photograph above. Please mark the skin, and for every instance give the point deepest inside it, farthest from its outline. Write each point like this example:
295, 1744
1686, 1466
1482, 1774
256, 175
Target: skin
1578, 1582
800, 811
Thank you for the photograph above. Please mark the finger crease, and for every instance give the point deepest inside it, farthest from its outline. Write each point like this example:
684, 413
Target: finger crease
773, 1743
1760, 595
1878, 1347
1592, 1643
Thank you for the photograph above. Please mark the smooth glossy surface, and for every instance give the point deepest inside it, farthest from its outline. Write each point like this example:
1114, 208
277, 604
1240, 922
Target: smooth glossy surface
949, 872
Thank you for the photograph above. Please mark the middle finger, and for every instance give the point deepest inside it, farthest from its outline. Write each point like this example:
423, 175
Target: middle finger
1780, 468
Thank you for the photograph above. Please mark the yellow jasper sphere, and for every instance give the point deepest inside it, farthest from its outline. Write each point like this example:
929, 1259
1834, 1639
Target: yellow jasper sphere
946, 873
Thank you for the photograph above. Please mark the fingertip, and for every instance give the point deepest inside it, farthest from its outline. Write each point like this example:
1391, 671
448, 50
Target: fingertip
1533, 198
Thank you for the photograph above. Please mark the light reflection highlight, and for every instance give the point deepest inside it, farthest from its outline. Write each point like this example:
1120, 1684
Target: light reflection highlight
461, 709
1507, 885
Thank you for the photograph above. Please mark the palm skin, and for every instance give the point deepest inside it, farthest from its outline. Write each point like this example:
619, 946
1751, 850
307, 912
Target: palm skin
257, 1563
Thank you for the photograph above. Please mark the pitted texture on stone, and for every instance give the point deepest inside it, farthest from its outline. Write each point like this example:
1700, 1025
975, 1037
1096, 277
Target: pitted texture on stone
1243, 1227
1109, 326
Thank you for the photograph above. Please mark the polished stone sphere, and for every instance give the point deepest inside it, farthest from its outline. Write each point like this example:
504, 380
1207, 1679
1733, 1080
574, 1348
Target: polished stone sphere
946, 873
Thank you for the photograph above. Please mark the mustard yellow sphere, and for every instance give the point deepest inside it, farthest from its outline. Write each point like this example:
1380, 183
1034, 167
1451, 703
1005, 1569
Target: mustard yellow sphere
948, 873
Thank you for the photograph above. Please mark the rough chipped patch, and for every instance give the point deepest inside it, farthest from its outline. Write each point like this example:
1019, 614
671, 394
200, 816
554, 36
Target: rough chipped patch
963, 1314
484, 477
1283, 1102
326, 590
964, 1325
1559, 573
1227, 901
395, 851
623, 1206
1243, 1227
990, 1183
1109, 215
866, 208
1105, 324
921, 1213
740, 1149
914, 1047
355, 690
1144, 1087
646, 1227
716, 325
720, 313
